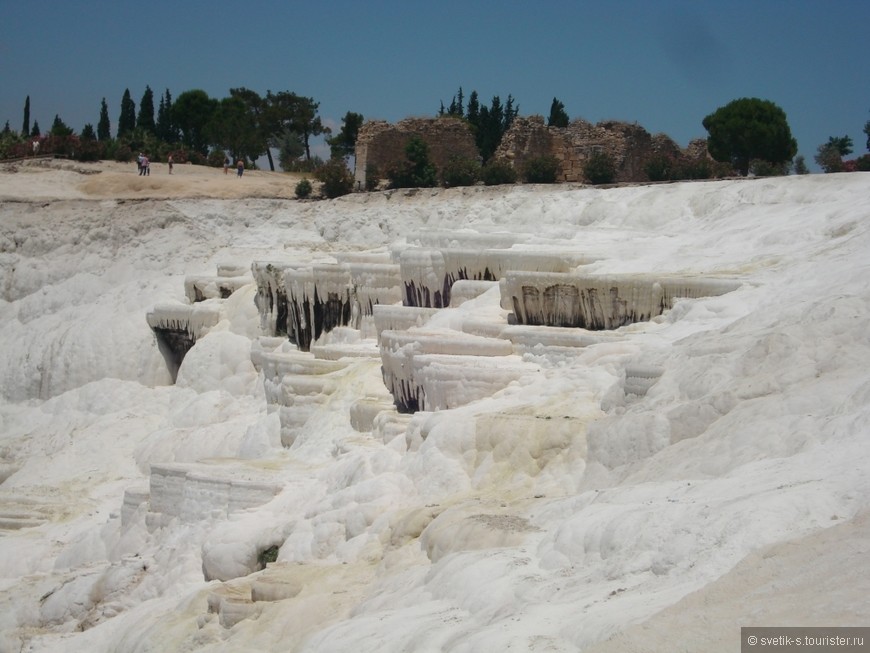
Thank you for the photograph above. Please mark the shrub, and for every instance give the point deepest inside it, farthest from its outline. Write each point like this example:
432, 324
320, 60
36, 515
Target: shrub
661, 167
498, 172
541, 170
303, 189
417, 171
217, 157
123, 154
335, 177
599, 168
863, 163
373, 177
460, 171
700, 168
762, 168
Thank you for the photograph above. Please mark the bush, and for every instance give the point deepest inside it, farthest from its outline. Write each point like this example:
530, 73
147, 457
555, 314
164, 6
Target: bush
417, 171
303, 189
762, 168
460, 172
373, 177
700, 168
862, 163
217, 157
335, 177
599, 168
123, 154
498, 172
541, 170
661, 167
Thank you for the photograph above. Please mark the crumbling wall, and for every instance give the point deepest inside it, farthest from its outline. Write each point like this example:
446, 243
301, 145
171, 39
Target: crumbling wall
381, 145
630, 145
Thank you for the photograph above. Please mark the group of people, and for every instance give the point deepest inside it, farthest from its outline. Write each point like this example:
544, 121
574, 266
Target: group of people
144, 164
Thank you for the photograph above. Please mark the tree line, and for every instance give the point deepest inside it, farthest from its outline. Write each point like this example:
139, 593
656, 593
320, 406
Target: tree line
749, 135
192, 127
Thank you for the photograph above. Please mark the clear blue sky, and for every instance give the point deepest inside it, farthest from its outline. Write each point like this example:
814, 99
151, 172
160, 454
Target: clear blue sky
662, 63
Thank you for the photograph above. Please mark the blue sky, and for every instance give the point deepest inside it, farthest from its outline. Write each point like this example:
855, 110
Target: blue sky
662, 63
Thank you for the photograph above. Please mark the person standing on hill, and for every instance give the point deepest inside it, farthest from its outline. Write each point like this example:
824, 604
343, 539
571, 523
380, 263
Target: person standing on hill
170, 162
241, 167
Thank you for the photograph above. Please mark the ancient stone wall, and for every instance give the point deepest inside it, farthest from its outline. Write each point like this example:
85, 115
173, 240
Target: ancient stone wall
631, 146
381, 145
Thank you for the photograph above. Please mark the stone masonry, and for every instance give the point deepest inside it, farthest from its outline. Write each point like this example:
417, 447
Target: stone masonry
380, 145
631, 146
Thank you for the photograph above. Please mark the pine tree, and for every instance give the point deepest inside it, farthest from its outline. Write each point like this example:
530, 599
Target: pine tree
127, 119
35, 131
164, 127
509, 113
558, 117
25, 128
104, 128
472, 113
59, 127
145, 120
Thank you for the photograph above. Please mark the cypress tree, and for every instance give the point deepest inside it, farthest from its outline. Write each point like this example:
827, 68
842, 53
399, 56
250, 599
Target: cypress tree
25, 128
127, 119
104, 129
558, 117
472, 113
146, 111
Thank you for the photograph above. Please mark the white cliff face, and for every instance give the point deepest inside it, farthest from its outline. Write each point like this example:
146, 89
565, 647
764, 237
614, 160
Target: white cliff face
556, 486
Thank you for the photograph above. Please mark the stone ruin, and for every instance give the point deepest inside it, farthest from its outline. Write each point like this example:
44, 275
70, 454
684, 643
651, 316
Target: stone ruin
381, 145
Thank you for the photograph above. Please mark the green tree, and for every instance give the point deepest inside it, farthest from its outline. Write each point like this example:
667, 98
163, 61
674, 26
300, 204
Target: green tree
829, 158
472, 112
558, 117
286, 110
166, 130
343, 144
104, 128
417, 171
231, 127
146, 111
88, 133
843, 144
60, 128
191, 113
490, 128
800, 165
290, 149
35, 131
867, 132
25, 127
255, 106
456, 108
127, 117
747, 129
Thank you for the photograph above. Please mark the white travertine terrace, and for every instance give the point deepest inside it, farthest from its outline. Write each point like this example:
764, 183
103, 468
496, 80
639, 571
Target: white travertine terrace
599, 302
